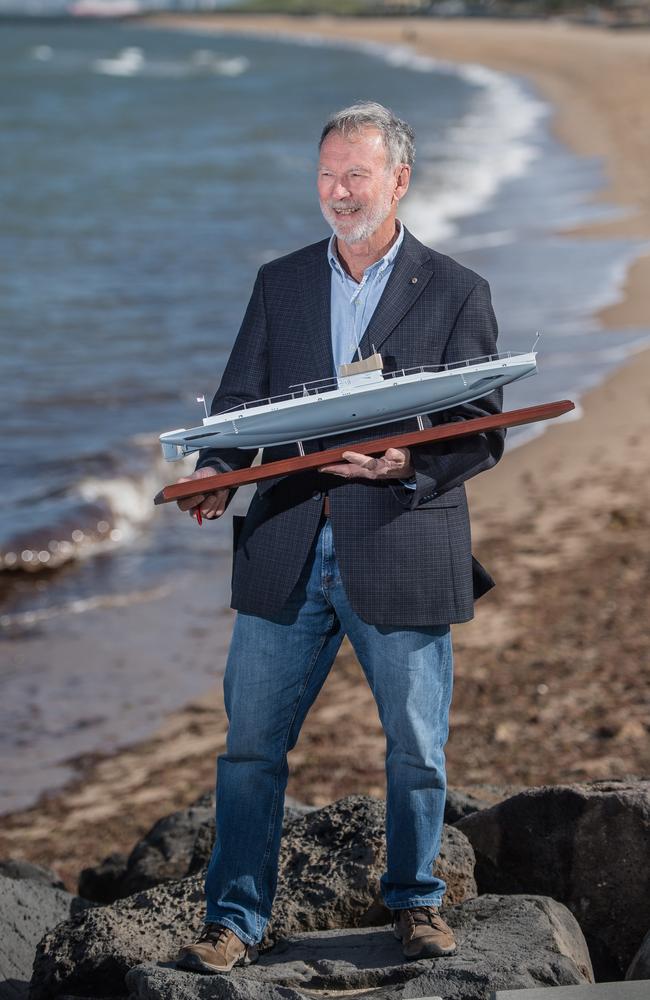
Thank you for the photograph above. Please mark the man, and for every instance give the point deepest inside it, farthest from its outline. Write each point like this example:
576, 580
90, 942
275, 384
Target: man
375, 548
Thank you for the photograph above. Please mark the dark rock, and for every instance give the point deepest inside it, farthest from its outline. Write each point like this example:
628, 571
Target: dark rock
150, 982
162, 855
461, 804
93, 953
331, 861
640, 965
28, 909
512, 941
177, 845
19, 870
585, 845
103, 883
330, 864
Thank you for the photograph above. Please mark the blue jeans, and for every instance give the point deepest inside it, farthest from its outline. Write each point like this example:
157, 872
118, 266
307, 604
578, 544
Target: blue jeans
274, 671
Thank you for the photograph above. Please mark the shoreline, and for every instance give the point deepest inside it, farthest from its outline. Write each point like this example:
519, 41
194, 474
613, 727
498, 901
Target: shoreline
541, 522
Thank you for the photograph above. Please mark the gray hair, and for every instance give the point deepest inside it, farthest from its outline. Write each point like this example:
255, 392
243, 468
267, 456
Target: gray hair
398, 136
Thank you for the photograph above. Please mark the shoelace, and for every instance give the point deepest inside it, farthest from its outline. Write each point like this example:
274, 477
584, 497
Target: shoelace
214, 933
425, 915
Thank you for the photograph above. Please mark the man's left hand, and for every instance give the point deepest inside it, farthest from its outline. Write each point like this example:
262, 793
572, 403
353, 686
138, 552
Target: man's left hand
394, 464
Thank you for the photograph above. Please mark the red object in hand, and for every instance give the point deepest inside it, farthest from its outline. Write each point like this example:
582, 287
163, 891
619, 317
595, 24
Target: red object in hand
199, 519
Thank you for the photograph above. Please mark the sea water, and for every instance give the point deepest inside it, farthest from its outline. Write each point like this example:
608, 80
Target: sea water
145, 177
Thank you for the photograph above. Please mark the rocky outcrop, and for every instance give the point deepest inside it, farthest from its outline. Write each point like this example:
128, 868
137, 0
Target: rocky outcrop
177, 845
585, 845
514, 942
330, 863
28, 909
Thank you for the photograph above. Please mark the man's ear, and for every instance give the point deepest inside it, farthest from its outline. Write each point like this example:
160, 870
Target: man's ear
402, 179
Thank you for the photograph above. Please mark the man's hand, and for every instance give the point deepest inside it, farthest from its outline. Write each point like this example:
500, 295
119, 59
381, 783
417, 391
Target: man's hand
395, 464
211, 505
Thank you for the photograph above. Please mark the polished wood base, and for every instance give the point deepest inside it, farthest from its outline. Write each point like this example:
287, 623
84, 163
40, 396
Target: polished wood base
442, 432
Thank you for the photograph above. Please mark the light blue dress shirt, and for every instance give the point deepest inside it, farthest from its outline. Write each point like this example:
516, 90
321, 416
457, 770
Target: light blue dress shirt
353, 304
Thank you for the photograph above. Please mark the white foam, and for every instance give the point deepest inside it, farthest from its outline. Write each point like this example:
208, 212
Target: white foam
133, 61
127, 63
41, 52
491, 144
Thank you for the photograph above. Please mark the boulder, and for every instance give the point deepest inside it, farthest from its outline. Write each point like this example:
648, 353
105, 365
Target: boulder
639, 967
104, 882
28, 909
162, 855
511, 941
330, 863
461, 803
19, 870
585, 845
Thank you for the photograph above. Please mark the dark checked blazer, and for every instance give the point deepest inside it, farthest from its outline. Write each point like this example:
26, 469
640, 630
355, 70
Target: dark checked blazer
404, 555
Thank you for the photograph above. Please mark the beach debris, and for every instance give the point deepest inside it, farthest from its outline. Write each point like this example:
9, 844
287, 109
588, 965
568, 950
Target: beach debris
584, 844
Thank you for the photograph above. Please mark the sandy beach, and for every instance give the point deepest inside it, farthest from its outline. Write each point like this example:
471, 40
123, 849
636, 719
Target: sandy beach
552, 676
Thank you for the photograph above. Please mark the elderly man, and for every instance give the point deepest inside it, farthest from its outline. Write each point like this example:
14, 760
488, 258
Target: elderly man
374, 548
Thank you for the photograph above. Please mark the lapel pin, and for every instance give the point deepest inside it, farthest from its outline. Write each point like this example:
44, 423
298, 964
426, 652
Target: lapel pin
414, 281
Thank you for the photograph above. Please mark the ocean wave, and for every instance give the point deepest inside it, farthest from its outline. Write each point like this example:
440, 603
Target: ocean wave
23, 619
132, 61
491, 144
92, 515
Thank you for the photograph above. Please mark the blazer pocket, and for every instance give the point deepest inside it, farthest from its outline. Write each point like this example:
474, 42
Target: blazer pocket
439, 503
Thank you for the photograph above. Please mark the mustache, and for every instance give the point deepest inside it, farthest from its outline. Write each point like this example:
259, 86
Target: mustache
334, 205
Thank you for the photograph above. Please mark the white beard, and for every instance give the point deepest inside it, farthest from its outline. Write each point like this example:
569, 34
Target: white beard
367, 220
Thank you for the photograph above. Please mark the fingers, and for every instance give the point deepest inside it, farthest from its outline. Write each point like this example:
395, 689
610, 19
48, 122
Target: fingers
395, 464
355, 466
189, 502
211, 506
214, 504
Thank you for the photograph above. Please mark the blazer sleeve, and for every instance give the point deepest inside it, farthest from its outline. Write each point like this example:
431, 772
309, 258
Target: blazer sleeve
245, 379
441, 466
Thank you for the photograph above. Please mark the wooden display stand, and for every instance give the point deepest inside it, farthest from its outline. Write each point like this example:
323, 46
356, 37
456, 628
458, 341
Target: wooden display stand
442, 432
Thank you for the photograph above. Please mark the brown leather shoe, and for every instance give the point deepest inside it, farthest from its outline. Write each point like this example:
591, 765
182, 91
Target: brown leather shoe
423, 932
218, 949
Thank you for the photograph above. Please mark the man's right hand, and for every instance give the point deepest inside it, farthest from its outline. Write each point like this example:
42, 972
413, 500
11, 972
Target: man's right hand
211, 505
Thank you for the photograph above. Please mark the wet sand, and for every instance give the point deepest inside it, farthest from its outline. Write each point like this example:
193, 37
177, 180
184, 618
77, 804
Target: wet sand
552, 677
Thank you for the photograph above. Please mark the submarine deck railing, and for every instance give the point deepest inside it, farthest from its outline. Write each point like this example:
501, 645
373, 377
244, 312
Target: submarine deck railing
327, 384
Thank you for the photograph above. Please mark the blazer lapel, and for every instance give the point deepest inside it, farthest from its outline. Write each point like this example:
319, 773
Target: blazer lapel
411, 273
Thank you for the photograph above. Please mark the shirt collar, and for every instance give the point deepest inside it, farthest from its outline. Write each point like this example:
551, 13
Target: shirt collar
379, 265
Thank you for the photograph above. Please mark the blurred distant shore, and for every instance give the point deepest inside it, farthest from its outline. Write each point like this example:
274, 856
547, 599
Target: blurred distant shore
553, 674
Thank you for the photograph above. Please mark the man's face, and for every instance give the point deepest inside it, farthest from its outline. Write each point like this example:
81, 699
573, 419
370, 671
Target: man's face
356, 187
